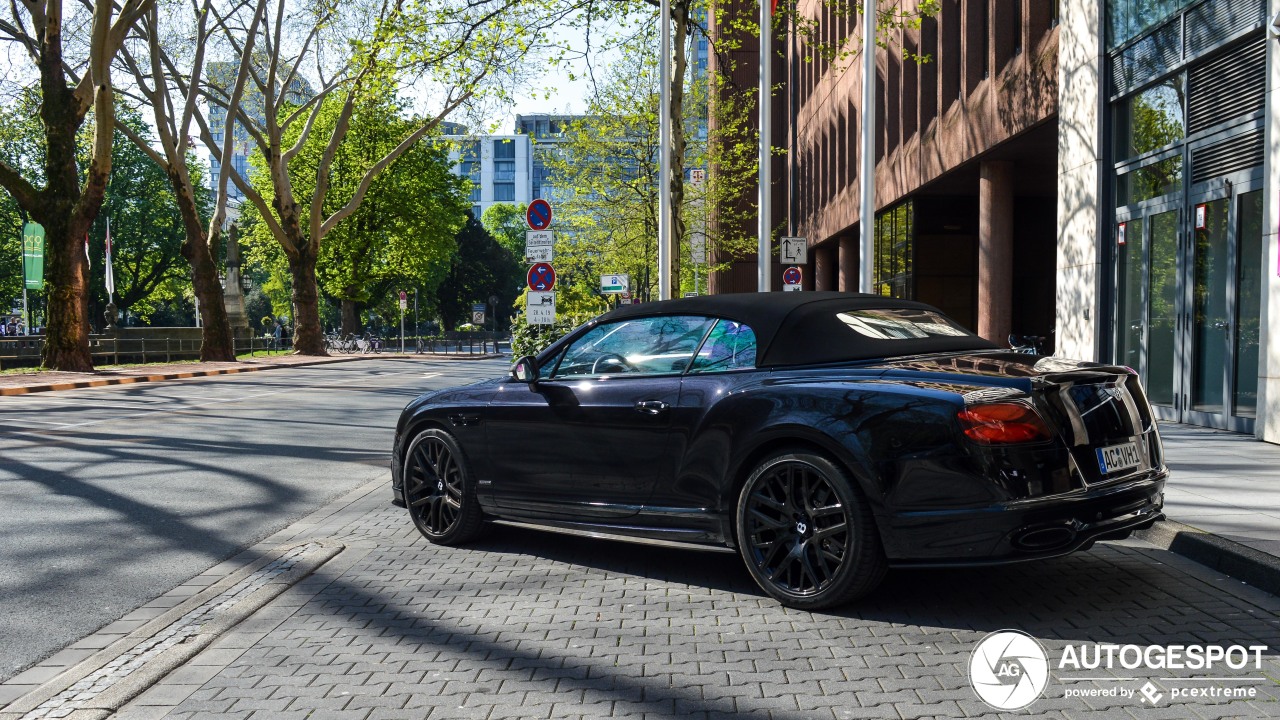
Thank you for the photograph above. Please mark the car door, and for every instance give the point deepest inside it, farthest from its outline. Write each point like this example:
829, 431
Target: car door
591, 438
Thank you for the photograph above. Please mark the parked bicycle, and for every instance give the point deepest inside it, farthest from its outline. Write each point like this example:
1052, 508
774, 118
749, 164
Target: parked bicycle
1027, 344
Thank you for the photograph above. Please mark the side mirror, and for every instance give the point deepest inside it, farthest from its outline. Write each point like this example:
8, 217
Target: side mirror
525, 370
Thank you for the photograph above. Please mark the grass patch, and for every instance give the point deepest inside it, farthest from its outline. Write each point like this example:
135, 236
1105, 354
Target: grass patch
261, 354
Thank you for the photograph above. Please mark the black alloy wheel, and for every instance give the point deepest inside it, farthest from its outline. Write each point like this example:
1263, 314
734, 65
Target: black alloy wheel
438, 489
806, 533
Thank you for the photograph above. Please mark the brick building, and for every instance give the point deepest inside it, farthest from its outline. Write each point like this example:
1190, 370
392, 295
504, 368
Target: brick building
1094, 172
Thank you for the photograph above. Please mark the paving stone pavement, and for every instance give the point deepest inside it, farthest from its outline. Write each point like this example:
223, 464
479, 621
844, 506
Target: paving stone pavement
525, 624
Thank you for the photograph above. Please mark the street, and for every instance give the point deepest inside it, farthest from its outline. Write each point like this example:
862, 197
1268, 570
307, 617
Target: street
117, 496
114, 495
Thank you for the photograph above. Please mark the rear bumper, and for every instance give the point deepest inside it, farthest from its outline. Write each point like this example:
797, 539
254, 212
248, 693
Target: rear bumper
1028, 530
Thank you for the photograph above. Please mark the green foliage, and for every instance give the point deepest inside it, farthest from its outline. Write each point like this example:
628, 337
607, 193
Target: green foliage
506, 223
151, 277
481, 268
529, 339
402, 234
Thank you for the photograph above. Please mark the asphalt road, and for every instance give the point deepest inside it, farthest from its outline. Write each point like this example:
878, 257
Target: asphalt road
112, 496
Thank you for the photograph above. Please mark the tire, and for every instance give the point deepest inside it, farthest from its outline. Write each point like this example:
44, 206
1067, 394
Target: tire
806, 532
439, 490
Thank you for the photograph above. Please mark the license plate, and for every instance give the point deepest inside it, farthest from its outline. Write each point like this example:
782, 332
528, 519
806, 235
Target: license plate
1114, 458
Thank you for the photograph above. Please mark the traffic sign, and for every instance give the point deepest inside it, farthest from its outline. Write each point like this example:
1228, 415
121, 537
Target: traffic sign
540, 308
477, 313
794, 250
539, 246
792, 288
542, 277
792, 276
614, 284
538, 215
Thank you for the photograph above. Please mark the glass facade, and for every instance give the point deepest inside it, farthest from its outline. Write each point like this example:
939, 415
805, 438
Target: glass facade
894, 248
1188, 256
1130, 18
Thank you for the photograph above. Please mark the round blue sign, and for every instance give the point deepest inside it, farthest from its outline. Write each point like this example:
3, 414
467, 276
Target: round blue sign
542, 277
538, 215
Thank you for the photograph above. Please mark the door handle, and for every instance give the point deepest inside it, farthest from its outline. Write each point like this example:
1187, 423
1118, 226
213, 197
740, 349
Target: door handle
651, 407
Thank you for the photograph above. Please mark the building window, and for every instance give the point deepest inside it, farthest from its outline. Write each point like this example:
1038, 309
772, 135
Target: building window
475, 193
504, 170
1152, 119
894, 248
1127, 20
475, 211
504, 192
504, 149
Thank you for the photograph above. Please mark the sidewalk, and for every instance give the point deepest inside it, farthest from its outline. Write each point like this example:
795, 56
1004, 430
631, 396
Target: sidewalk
1222, 502
50, 380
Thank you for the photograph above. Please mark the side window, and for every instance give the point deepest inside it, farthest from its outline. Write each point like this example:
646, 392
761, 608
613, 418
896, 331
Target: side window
643, 346
545, 370
730, 346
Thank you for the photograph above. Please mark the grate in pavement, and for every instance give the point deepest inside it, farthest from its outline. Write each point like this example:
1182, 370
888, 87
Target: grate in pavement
184, 629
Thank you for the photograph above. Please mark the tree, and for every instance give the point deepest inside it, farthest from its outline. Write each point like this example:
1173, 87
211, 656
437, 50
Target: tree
72, 82
507, 224
147, 229
481, 268
173, 98
607, 168
463, 49
403, 234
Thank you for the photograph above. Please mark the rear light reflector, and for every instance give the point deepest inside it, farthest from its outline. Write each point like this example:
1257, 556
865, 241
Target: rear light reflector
1002, 423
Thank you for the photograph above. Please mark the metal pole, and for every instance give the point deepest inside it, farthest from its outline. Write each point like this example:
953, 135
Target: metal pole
401, 331
664, 150
763, 251
867, 177
26, 309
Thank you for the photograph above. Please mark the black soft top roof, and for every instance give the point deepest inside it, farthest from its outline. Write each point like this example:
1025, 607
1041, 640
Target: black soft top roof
802, 328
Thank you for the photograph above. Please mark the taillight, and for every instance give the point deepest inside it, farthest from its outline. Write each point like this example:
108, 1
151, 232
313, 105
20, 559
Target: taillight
1002, 423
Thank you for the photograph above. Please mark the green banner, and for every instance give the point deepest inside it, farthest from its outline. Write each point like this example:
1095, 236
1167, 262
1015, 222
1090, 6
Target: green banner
33, 255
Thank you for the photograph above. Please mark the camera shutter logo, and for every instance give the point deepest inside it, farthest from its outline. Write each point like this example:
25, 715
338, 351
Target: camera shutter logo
1008, 670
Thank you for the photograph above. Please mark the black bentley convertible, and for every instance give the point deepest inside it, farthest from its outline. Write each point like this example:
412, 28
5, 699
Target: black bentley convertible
824, 436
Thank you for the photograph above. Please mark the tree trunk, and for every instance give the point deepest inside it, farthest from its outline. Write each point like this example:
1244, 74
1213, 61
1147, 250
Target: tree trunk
308, 337
66, 345
678, 141
350, 317
217, 343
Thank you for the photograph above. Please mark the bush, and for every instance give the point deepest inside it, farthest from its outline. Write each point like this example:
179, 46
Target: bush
529, 339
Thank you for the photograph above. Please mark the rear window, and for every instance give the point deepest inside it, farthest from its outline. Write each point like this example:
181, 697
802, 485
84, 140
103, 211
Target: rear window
901, 324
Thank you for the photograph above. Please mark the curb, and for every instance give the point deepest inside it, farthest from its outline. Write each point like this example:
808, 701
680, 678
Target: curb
101, 684
130, 379
1231, 558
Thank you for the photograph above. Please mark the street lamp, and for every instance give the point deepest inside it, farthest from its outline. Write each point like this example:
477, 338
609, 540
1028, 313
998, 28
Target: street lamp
246, 283
222, 280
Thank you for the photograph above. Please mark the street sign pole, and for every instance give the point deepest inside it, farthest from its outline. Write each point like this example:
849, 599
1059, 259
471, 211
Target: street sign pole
401, 330
26, 312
